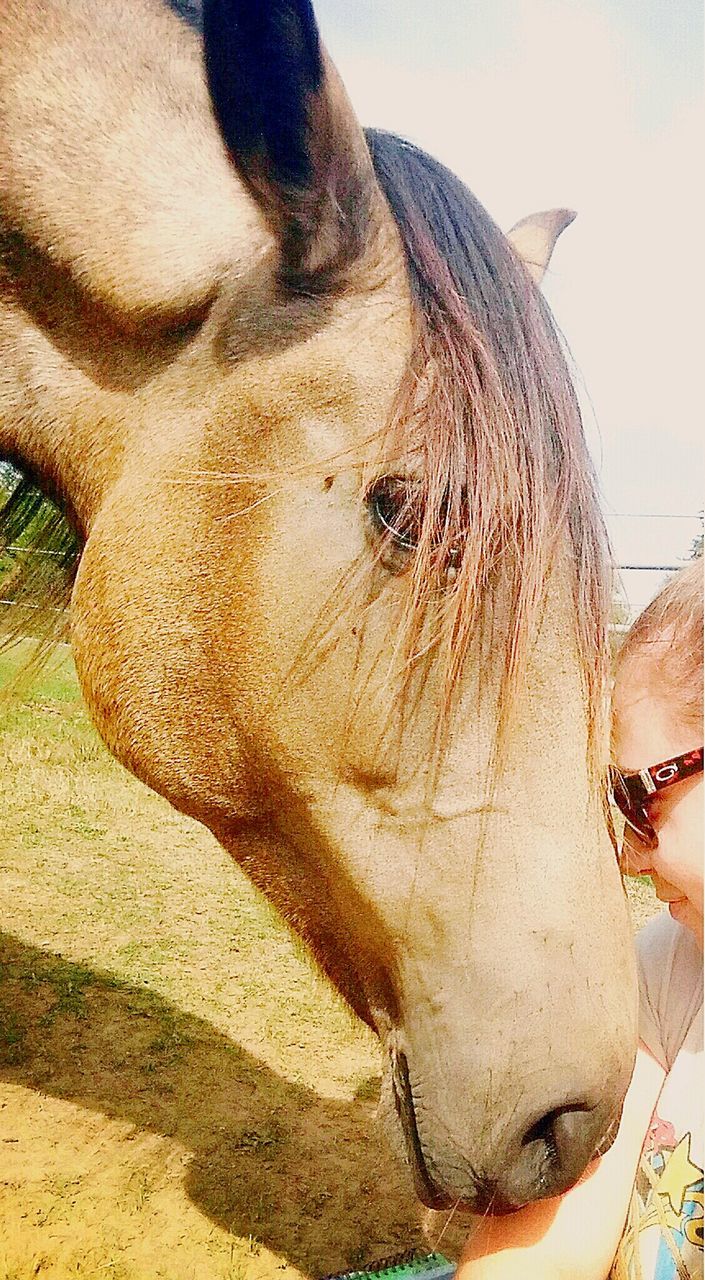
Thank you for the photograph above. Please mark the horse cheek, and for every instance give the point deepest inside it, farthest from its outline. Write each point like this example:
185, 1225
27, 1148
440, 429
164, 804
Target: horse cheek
152, 667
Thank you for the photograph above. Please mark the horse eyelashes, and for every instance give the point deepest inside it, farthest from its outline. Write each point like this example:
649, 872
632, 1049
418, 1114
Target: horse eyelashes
395, 507
398, 511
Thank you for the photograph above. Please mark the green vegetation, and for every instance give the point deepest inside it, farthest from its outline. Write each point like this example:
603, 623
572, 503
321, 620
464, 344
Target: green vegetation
38, 558
55, 682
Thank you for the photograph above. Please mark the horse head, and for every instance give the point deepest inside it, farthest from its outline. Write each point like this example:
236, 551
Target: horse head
342, 592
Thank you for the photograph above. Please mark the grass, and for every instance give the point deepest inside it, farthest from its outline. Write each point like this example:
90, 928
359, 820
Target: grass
55, 682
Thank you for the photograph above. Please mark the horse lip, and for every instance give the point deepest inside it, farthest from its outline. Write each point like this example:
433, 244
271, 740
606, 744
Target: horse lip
428, 1193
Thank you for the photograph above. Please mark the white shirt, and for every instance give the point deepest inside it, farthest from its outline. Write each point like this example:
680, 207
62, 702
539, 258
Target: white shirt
669, 1184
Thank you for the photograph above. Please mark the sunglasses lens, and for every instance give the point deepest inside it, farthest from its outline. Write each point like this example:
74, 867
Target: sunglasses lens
635, 817
620, 793
637, 824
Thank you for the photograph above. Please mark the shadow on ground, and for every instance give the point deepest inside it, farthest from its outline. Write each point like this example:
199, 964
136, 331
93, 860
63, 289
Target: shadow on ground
271, 1159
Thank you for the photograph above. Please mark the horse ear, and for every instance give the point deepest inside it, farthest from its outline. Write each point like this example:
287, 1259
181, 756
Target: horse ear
290, 132
534, 238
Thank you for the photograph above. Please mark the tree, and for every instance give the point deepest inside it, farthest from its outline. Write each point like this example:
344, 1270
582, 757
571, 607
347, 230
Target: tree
696, 546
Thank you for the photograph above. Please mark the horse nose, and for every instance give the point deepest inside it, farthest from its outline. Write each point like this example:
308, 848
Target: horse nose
552, 1153
542, 1154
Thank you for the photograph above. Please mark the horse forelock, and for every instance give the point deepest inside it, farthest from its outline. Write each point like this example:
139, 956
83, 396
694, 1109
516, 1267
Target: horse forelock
489, 414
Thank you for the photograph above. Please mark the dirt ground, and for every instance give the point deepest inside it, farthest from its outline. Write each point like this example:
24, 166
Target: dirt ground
181, 1096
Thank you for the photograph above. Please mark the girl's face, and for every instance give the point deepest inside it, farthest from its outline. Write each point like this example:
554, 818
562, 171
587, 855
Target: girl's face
646, 732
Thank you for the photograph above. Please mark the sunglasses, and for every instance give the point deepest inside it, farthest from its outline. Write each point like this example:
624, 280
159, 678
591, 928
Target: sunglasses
631, 792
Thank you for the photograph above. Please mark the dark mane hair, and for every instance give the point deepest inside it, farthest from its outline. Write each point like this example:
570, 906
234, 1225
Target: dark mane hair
489, 410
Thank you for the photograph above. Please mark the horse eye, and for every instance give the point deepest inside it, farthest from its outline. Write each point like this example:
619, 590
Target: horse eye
393, 505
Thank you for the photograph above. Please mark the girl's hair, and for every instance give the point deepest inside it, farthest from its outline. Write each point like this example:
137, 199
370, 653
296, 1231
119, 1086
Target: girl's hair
667, 639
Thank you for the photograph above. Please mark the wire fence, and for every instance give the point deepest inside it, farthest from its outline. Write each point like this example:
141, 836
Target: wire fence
627, 567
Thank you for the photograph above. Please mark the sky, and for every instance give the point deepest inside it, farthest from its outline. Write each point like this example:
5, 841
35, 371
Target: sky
594, 105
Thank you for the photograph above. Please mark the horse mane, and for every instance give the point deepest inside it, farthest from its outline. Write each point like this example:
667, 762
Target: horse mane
489, 410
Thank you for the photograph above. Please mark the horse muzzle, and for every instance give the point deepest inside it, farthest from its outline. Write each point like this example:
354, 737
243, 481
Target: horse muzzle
540, 1154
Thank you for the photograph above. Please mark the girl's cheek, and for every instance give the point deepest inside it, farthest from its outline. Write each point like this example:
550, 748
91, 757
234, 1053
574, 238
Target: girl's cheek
677, 861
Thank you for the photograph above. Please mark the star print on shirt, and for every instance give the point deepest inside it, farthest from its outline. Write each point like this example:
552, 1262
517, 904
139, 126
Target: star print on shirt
679, 1173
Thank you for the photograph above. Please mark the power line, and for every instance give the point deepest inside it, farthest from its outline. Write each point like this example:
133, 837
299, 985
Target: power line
32, 551
650, 515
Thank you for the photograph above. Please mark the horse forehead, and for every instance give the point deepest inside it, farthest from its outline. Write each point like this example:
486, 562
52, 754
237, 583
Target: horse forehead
346, 371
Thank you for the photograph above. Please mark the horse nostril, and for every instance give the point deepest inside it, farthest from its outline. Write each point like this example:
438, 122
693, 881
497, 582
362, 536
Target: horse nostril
541, 1135
575, 1132
553, 1153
